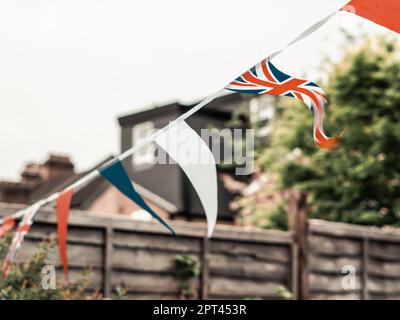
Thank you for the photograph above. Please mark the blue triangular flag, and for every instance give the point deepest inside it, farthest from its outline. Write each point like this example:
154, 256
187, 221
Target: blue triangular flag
117, 176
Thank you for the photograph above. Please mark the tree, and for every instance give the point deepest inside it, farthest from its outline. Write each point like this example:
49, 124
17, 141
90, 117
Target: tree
359, 182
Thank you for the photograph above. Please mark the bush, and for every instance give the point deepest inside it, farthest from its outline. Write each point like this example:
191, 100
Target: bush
186, 268
24, 281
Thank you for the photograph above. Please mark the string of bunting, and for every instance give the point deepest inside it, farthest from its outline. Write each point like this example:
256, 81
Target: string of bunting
263, 78
22, 230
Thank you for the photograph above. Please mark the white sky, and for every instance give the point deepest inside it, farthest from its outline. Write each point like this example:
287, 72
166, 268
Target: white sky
68, 68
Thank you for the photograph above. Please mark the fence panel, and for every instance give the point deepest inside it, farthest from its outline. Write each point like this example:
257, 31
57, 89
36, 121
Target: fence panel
335, 248
139, 256
235, 264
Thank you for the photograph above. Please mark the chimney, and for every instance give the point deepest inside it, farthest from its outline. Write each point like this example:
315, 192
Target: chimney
36, 176
31, 174
56, 166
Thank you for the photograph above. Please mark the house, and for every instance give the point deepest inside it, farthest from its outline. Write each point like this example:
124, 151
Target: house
37, 180
167, 180
164, 187
41, 180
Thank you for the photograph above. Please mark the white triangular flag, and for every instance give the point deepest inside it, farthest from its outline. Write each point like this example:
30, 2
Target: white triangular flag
192, 154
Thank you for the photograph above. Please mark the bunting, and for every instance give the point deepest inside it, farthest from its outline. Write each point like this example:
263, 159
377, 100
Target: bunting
192, 154
117, 176
265, 78
22, 230
189, 151
63, 206
8, 225
383, 12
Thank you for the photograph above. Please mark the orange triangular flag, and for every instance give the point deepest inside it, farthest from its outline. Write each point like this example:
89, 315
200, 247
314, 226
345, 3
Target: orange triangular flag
63, 205
8, 224
383, 12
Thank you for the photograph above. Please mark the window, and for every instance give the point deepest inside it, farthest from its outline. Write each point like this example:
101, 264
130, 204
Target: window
144, 157
262, 111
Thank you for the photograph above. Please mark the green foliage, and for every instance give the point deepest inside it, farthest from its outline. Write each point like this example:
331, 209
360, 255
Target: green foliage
291, 173
24, 281
258, 210
120, 293
360, 181
283, 293
186, 268
278, 219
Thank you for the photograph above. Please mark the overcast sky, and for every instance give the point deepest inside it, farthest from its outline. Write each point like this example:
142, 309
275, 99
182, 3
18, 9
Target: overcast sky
69, 68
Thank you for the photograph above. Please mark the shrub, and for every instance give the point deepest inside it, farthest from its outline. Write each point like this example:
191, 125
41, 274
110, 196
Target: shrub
24, 281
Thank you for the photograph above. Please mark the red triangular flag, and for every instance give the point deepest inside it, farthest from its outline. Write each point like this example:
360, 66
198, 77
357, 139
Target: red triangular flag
63, 205
7, 225
383, 12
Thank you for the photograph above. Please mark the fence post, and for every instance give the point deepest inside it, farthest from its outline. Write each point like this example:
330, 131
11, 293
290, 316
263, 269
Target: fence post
108, 248
204, 269
297, 205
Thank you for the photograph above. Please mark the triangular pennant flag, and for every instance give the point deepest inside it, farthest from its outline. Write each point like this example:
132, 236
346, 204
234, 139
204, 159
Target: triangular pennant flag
192, 154
117, 176
22, 230
8, 225
63, 206
265, 78
383, 12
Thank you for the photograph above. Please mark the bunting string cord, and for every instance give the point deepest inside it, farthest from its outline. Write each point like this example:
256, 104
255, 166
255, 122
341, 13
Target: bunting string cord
77, 185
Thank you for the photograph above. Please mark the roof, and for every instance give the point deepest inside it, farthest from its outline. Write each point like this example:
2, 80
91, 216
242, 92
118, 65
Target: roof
214, 108
84, 197
58, 184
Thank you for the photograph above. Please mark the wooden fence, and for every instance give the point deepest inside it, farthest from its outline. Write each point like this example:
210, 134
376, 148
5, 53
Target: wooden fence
139, 256
337, 248
310, 261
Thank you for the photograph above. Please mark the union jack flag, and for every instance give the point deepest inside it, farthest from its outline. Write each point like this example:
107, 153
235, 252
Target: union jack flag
22, 230
265, 78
